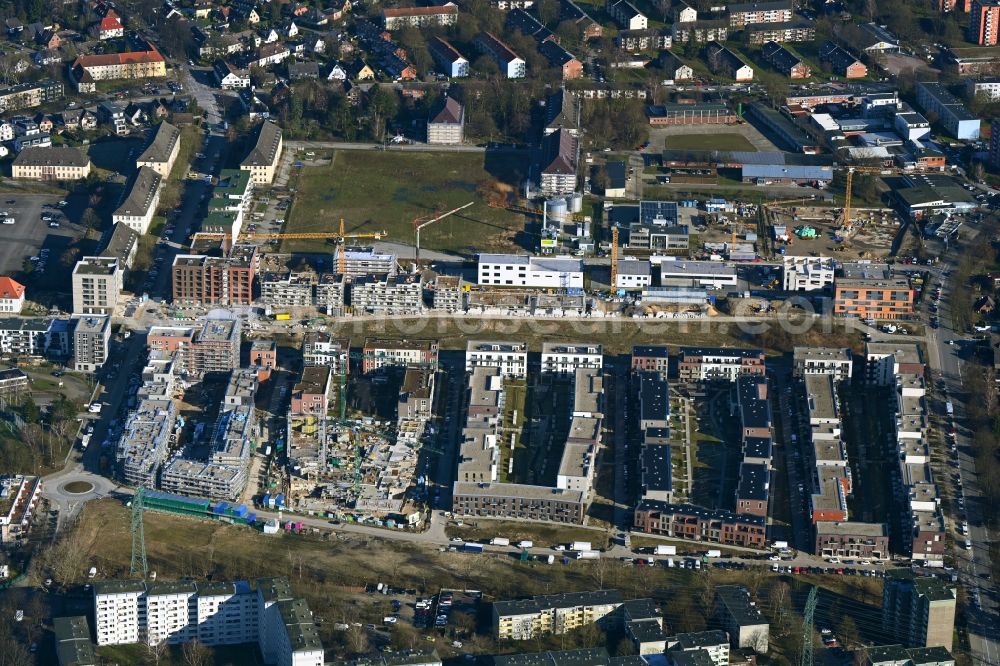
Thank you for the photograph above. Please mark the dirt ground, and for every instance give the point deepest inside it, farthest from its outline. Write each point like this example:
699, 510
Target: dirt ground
874, 231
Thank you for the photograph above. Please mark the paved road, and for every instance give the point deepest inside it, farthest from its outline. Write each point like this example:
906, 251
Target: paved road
947, 363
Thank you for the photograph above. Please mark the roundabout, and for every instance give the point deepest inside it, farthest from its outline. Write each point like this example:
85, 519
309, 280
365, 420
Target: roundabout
77, 487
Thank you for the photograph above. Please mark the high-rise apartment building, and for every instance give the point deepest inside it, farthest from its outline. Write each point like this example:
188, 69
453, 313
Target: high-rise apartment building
983, 20
920, 612
97, 282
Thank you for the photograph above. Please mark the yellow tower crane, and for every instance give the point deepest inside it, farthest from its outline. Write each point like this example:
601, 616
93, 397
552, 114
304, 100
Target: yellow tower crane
614, 258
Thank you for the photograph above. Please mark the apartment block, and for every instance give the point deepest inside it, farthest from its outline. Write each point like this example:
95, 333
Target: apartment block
852, 540
73, 644
448, 294
719, 363
359, 261
685, 521
565, 359
387, 294
552, 614
19, 496
560, 163
651, 358
837, 362
161, 153
447, 124
510, 357
311, 394
865, 298
417, 17
742, 15
53, 163
27, 95
214, 346
378, 353
97, 283
139, 205
984, 22
87, 70
920, 612
262, 160
934, 97
321, 348
91, 341
806, 273
511, 65
177, 612
511, 270
741, 619
215, 280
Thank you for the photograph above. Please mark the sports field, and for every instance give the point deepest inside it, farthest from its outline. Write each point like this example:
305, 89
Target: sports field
722, 141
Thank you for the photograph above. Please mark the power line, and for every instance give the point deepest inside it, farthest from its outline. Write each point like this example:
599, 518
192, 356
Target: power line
807, 628
138, 534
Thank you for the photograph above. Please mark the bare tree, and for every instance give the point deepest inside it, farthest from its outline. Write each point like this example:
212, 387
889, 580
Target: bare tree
196, 654
155, 651
357, 640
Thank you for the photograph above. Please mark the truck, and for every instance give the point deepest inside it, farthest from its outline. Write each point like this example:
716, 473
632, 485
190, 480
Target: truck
499, 541
524, 543
779, 545
588, 555
665, 550
580, 546
472, 547
85, 441
713, 553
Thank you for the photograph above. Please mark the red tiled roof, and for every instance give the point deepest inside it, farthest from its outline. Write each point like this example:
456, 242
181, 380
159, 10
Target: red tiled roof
110, 22
118, 58
10, 288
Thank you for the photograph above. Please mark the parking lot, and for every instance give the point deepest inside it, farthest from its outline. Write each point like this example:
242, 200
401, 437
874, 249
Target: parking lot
29, 234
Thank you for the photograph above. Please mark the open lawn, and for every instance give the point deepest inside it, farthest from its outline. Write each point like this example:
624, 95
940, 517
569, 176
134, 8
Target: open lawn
407, 185
721, 141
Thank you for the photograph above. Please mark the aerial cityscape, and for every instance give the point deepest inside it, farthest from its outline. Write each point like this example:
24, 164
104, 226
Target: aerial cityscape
499, 332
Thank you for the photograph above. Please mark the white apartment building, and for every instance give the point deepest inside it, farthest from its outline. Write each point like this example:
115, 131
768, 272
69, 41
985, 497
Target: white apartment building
803, 273
130, 612
19, 496
633, 274
262, 160
162, 150
97, 282
139, 206
566, 358
512, 270
510, 357
511, 65
117, 611
823, 361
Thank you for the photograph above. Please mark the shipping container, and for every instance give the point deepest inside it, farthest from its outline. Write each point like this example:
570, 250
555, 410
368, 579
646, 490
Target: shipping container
472, 547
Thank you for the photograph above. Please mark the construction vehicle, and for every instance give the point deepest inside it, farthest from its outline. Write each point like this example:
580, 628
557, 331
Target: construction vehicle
614, 257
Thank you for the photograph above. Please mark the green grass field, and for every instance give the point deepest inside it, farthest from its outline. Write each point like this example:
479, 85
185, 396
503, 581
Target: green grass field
385, 191
723, 141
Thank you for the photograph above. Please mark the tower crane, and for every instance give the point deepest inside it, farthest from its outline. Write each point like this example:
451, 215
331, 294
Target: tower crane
339, 236
847, 223
421, 222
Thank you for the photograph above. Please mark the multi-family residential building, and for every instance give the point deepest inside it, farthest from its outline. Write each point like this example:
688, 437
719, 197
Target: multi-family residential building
359, 261
162, 150
30, 337
210, 280
262, 161
626, 15
935, 98
214, 346
53, 163
700, 32
11, 295
378, 353
230, 77
387, 294
510, 357
984, 22
841, 61
566, 358
866, 298
87, 70
741, 618
699, 364
686, 521
447, 123
74, 646
742, 15
19, 496
311, 394
448, 294
511, 65
852, 540
97, 283
643, 40
177, 612
13, 381
91, 342
417, 17
560, 163
121, 243
321, 348
552, 614
713, 643
794, 31
448, 58
511, 270
807, 273
920, 612
837, 362
723, 61
286, 289
139, 205
785, 61
27, 95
